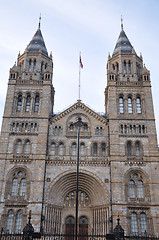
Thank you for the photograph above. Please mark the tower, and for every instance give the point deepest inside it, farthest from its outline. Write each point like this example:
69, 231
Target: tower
28, 107
133, 141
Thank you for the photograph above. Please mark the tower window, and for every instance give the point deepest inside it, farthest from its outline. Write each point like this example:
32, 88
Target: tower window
10, 221
138, 105
121, 105
129, 105
95, 149
36, 105
28, 103
103, 149
129, 149
14, 187
140, 189
19, 221
82, 149
61, 149
134, 224
18, 147
129, 67
71, 127
34, 64
124, 66
27, 147
143, 223
131, 189
137, 148
19, 103
73, 149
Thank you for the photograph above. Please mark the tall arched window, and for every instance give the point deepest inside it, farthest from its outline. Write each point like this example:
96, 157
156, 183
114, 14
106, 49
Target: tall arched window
61, 149
129, 148
121, 105
82, 149
138, 105
14, 190
19, 221
124, 66
18, 146
19, 103
73, 148
30, 64
140, 189
95, 149
131, 189
28, 103
53, 148
34, 64
85, 127
36, 104
27, 147
103, 148
143, 223
137, 148
134, 225
130, 105
10, 221
129, 67
71, 127
22, 189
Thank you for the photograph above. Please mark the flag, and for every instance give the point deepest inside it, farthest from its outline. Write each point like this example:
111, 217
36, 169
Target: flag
80, 61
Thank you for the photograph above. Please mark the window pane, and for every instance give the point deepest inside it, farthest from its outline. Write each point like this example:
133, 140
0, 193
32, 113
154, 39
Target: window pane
95, 149
137, 148
121, 105
129, 105
19, 103
10, 220
19, 220
14, 187
52, 150
131, 189
22, 190
27, 147
36, 106
140, 189
143, 223
103, 149
74, 149
61, 149
82, 149
19, 147
138, 105
28, 102
129, 148
134, 226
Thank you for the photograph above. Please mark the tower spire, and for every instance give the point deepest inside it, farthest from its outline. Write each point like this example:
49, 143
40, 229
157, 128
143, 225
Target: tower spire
121, 22
39, 20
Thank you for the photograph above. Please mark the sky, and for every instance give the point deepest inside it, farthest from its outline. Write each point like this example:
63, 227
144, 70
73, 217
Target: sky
91, 27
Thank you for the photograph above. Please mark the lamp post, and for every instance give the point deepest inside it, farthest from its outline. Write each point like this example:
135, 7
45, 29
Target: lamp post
79, 123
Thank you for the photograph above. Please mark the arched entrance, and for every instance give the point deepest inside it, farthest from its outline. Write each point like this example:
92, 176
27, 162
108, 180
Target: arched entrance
83, 227
69, 228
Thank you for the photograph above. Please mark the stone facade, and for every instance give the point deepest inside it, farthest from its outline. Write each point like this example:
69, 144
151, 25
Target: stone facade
118, 153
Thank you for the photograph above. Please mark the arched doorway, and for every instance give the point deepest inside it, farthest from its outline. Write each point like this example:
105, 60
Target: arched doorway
83, 227
69, 228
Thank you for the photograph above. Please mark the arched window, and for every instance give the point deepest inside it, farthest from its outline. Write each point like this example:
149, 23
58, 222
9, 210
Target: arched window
82, 149
42, 67
131, 189
101, 131
134, 225
95, 149
34, 64
19, 103
29, 63
85, 127
61, 149
71, 127
10, 221
143, 223
97, 131
137, 148
121, 129
18, 147
19, 221
124, 66
22, 189
103, 148
53, 148
121, 105
140, 189
140, 129
129, 148
73, 149
27, 147
36, 104
130, 129
130, 105
14, 191
129, 67
138, 105
28, 103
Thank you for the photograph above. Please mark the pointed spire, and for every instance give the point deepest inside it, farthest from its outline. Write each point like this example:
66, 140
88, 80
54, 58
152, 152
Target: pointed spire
37, 43
123, 45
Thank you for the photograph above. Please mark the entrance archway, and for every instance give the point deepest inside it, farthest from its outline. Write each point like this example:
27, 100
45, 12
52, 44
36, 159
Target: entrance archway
69, 228
83, 227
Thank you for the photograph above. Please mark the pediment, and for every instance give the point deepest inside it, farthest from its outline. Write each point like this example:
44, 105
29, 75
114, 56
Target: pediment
82, 109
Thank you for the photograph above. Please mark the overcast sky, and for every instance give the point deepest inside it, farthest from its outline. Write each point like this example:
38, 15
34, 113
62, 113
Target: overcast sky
71, 26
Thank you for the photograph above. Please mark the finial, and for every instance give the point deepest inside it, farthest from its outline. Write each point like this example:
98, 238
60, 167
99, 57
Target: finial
121, 22
39, 20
